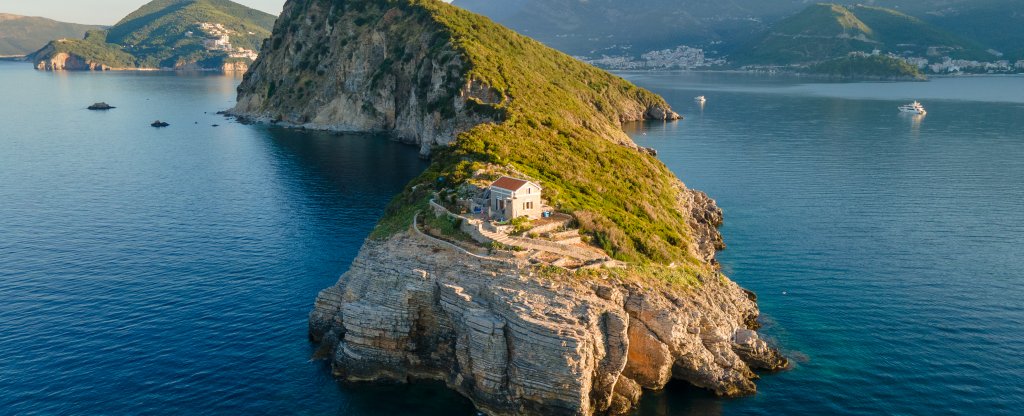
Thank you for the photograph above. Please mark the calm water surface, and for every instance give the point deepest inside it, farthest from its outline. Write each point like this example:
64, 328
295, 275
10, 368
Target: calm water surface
171, 271
888, 250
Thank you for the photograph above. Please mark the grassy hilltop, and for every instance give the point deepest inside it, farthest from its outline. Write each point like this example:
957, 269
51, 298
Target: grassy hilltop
560, 124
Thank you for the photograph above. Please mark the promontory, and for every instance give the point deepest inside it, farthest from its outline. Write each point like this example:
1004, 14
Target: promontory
544, 263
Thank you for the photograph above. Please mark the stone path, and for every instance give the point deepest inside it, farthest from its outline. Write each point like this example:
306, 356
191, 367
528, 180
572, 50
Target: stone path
578, 253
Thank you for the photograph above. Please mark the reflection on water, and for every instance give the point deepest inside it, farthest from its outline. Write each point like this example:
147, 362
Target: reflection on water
915, 124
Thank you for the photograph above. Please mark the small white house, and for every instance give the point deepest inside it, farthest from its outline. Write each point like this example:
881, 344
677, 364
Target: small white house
510, 198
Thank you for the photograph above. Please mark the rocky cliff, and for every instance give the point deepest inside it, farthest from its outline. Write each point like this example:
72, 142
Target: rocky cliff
335, 69
514, 337
68, 62
522, 340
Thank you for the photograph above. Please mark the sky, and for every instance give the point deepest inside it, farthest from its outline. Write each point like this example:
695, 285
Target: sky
102, 12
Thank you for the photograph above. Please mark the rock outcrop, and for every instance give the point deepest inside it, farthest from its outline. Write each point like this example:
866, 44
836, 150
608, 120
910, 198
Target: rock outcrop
517, 341
405, 78
513, 337
68, 62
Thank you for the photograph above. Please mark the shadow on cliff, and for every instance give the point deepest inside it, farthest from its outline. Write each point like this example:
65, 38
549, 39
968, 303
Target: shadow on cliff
679, 398
421, 398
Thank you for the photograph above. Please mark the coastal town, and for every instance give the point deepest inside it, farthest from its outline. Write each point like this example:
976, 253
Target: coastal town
218, 38
680, 57
938, 62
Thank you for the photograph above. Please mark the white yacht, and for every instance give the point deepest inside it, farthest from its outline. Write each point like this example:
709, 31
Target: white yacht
914, 107
700, 99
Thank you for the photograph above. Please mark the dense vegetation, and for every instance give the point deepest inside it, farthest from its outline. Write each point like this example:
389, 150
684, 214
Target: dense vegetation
156, 33
596, 27
166, 33
827, 31
561, 127
879, 66
22, 35
93, 47
994, 23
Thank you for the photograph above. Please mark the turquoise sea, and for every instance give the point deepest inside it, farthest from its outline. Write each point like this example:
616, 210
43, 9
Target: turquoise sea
170, 271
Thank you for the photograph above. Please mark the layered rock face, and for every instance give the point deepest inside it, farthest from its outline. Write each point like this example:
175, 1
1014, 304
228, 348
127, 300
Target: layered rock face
320, 72
517, 341
328, 68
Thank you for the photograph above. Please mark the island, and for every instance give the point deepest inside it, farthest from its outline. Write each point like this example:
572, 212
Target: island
166, 35
543, 263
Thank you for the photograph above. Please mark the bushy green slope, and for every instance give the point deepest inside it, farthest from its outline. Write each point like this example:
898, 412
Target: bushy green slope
156, 33
994, 23
561, 119
22, 35
589, 27
166, 33
880, 66
93, 47
827, 31
899, 32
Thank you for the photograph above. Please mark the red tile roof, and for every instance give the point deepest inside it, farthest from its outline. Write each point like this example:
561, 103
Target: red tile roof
511, 184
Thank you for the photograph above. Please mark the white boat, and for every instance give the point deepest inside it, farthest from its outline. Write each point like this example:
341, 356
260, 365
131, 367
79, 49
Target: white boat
914, 107
700, 99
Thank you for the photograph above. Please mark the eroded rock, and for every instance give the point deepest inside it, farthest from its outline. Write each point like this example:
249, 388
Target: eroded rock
518, 343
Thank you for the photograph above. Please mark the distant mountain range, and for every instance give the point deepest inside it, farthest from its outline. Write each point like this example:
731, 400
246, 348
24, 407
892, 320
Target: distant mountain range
766, 31
22, 35
594, 27
167, 34
828, 31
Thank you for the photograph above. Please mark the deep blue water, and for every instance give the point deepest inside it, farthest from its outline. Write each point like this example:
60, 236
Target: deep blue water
898, 241
171, 271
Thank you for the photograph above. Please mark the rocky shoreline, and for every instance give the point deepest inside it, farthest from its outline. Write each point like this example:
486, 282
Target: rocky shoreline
71, 62
516, 340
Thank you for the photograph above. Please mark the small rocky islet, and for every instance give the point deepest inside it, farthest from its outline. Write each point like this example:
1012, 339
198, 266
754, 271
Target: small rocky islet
517, 330
101, 106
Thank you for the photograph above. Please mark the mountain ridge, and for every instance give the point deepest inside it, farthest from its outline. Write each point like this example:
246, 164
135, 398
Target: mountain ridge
827, 31
22, 35
605, 31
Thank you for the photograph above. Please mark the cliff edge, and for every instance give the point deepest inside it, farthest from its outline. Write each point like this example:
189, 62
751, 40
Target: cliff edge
513, 335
